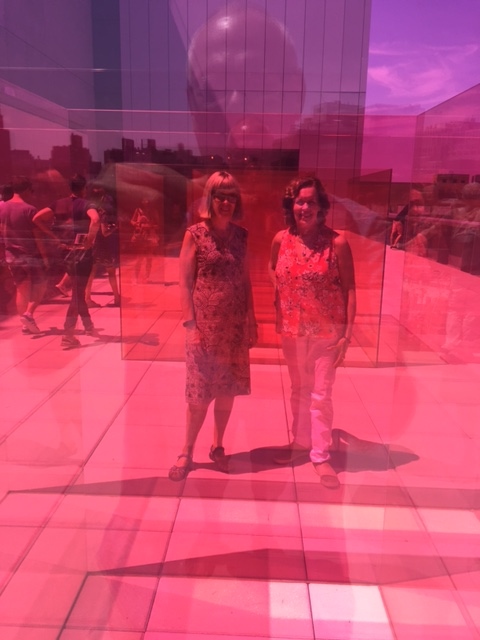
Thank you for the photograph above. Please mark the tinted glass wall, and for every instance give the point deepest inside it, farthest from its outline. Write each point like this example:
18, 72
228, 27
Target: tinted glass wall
147, 98
266, 89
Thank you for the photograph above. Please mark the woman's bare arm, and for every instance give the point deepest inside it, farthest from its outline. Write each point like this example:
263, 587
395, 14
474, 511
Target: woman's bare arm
93, 228
188, 265
272, 263
347, 279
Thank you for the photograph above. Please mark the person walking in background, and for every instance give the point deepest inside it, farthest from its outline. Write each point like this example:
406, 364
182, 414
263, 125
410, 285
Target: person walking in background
312, 269
106, 247
398, 228
75, 237
54, 223
23, 253
144, 239
217, 305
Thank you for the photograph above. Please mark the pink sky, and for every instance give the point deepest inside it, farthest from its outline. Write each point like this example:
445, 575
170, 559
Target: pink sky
421, 53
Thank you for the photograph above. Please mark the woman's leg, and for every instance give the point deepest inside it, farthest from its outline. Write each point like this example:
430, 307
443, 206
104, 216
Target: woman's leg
221, 411
321, 405
22, 296
112, 278
148, 265
88, 287
84, 271
72, 311
83, 310
295, 351
195, 417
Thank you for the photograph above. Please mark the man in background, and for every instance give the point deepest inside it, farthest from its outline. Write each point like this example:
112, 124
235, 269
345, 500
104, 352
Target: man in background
22, 253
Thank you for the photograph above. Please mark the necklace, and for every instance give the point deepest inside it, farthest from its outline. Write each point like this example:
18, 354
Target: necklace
222, 236
306, 246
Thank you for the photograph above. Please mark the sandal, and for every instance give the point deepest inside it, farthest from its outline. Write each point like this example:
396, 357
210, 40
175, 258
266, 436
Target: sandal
178, 473
327, 475
217, 455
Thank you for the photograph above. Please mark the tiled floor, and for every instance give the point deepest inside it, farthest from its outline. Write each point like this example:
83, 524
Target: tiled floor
97, 543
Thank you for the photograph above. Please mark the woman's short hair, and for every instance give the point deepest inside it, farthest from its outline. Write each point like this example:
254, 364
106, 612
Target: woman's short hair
291, 193
216, 182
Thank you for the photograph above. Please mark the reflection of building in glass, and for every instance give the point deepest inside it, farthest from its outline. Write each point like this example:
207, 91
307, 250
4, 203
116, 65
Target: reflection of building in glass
71, 159
448, 137
250, 85
5, 152
450, 185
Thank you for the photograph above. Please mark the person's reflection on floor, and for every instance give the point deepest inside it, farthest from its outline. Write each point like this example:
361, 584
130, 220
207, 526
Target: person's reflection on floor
217, 305
312, 269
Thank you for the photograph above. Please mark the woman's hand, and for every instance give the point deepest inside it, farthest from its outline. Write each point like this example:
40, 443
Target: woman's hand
193, 334
341, 349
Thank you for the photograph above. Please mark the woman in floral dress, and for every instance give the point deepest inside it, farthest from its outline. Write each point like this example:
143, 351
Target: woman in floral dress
219, 319
312, 269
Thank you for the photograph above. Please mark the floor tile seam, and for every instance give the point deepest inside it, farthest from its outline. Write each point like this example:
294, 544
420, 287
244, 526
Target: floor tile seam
63, 625
22, 360
39, 405
442, 555
464, 492
95, 445
149, 328
40, 528
80, 526
387, 611
42, 402
364, 405
285, 408
63, 493
164, 555
473, 627
469, 622
348, 533
234, 534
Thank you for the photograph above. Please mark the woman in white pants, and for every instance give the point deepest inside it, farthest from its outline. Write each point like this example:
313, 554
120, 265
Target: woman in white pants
312, 268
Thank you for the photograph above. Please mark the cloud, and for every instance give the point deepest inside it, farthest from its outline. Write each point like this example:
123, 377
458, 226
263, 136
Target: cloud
408, 49
408, 81
419, 73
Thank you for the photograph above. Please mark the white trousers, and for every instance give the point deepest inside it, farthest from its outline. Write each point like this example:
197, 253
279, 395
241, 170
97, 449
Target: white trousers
312, 374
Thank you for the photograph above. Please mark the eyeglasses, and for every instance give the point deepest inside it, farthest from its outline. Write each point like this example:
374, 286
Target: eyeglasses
231, 198
306, 203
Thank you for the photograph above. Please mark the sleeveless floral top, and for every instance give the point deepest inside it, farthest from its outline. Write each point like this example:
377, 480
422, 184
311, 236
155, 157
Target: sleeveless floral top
310, 300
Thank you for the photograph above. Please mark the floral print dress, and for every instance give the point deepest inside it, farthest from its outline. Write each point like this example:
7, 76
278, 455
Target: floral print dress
220, 364
310, 301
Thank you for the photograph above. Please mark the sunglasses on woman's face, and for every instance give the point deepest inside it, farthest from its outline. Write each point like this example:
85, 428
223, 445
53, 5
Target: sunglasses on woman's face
231, 198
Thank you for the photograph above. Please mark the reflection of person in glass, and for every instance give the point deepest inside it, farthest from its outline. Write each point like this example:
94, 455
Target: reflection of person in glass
83, 231
313, 272
23, 252
217, 305
106, 247
398, 228
144, 239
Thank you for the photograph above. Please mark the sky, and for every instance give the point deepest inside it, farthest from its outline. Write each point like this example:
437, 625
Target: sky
422, 52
